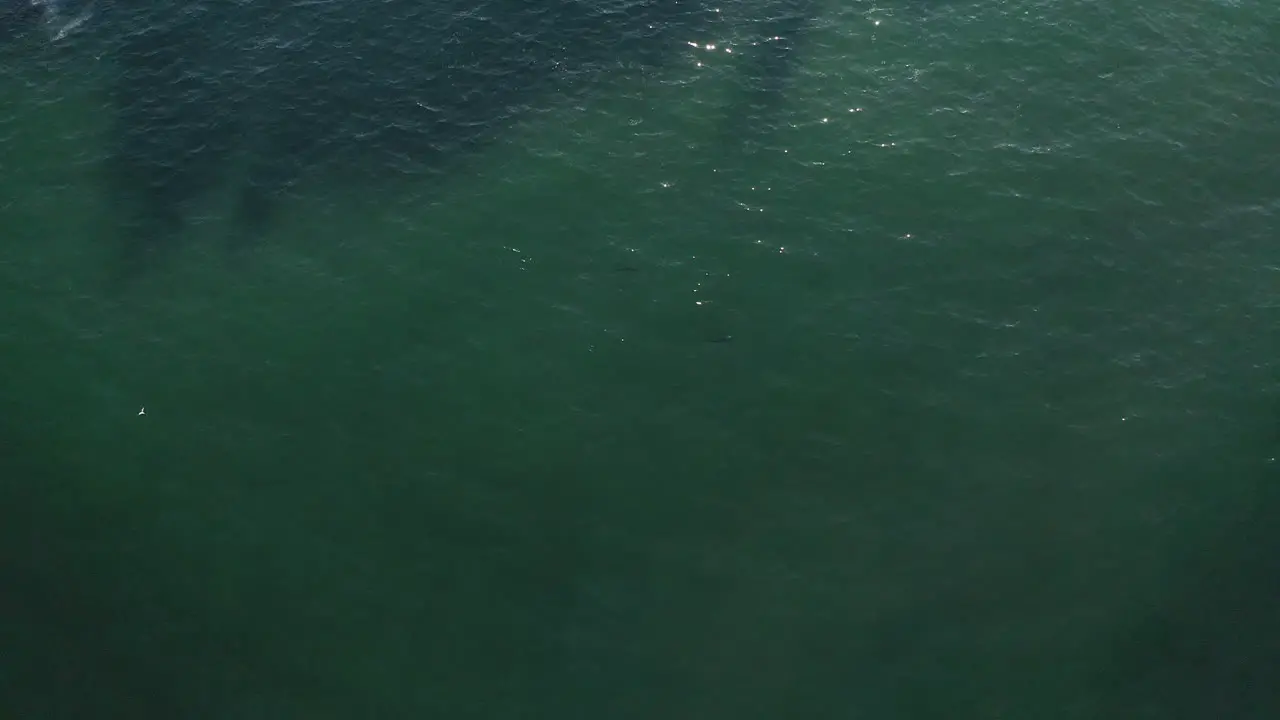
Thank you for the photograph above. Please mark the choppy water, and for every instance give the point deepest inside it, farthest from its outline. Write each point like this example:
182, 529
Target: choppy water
944, 388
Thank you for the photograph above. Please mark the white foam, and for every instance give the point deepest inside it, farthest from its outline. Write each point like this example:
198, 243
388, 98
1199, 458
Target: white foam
54, 21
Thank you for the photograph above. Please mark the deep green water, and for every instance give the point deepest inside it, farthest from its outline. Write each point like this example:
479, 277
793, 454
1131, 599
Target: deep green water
955, 396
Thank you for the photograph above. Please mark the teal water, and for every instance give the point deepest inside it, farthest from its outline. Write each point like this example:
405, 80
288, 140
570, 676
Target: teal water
952, 394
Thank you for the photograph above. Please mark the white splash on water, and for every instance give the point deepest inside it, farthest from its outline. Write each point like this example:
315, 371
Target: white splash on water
55, 22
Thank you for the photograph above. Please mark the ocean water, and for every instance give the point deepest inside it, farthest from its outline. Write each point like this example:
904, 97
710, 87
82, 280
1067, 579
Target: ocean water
941, 385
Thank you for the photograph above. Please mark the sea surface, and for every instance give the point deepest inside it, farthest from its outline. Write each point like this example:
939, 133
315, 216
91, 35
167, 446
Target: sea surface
945, 386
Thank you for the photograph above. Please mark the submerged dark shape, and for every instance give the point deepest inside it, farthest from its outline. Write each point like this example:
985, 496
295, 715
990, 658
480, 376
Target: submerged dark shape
263, 93
57, 18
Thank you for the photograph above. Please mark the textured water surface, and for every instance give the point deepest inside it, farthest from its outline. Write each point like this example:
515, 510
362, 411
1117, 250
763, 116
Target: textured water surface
609, 366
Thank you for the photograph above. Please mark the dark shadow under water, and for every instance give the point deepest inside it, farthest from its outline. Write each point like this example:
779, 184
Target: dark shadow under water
262, 97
